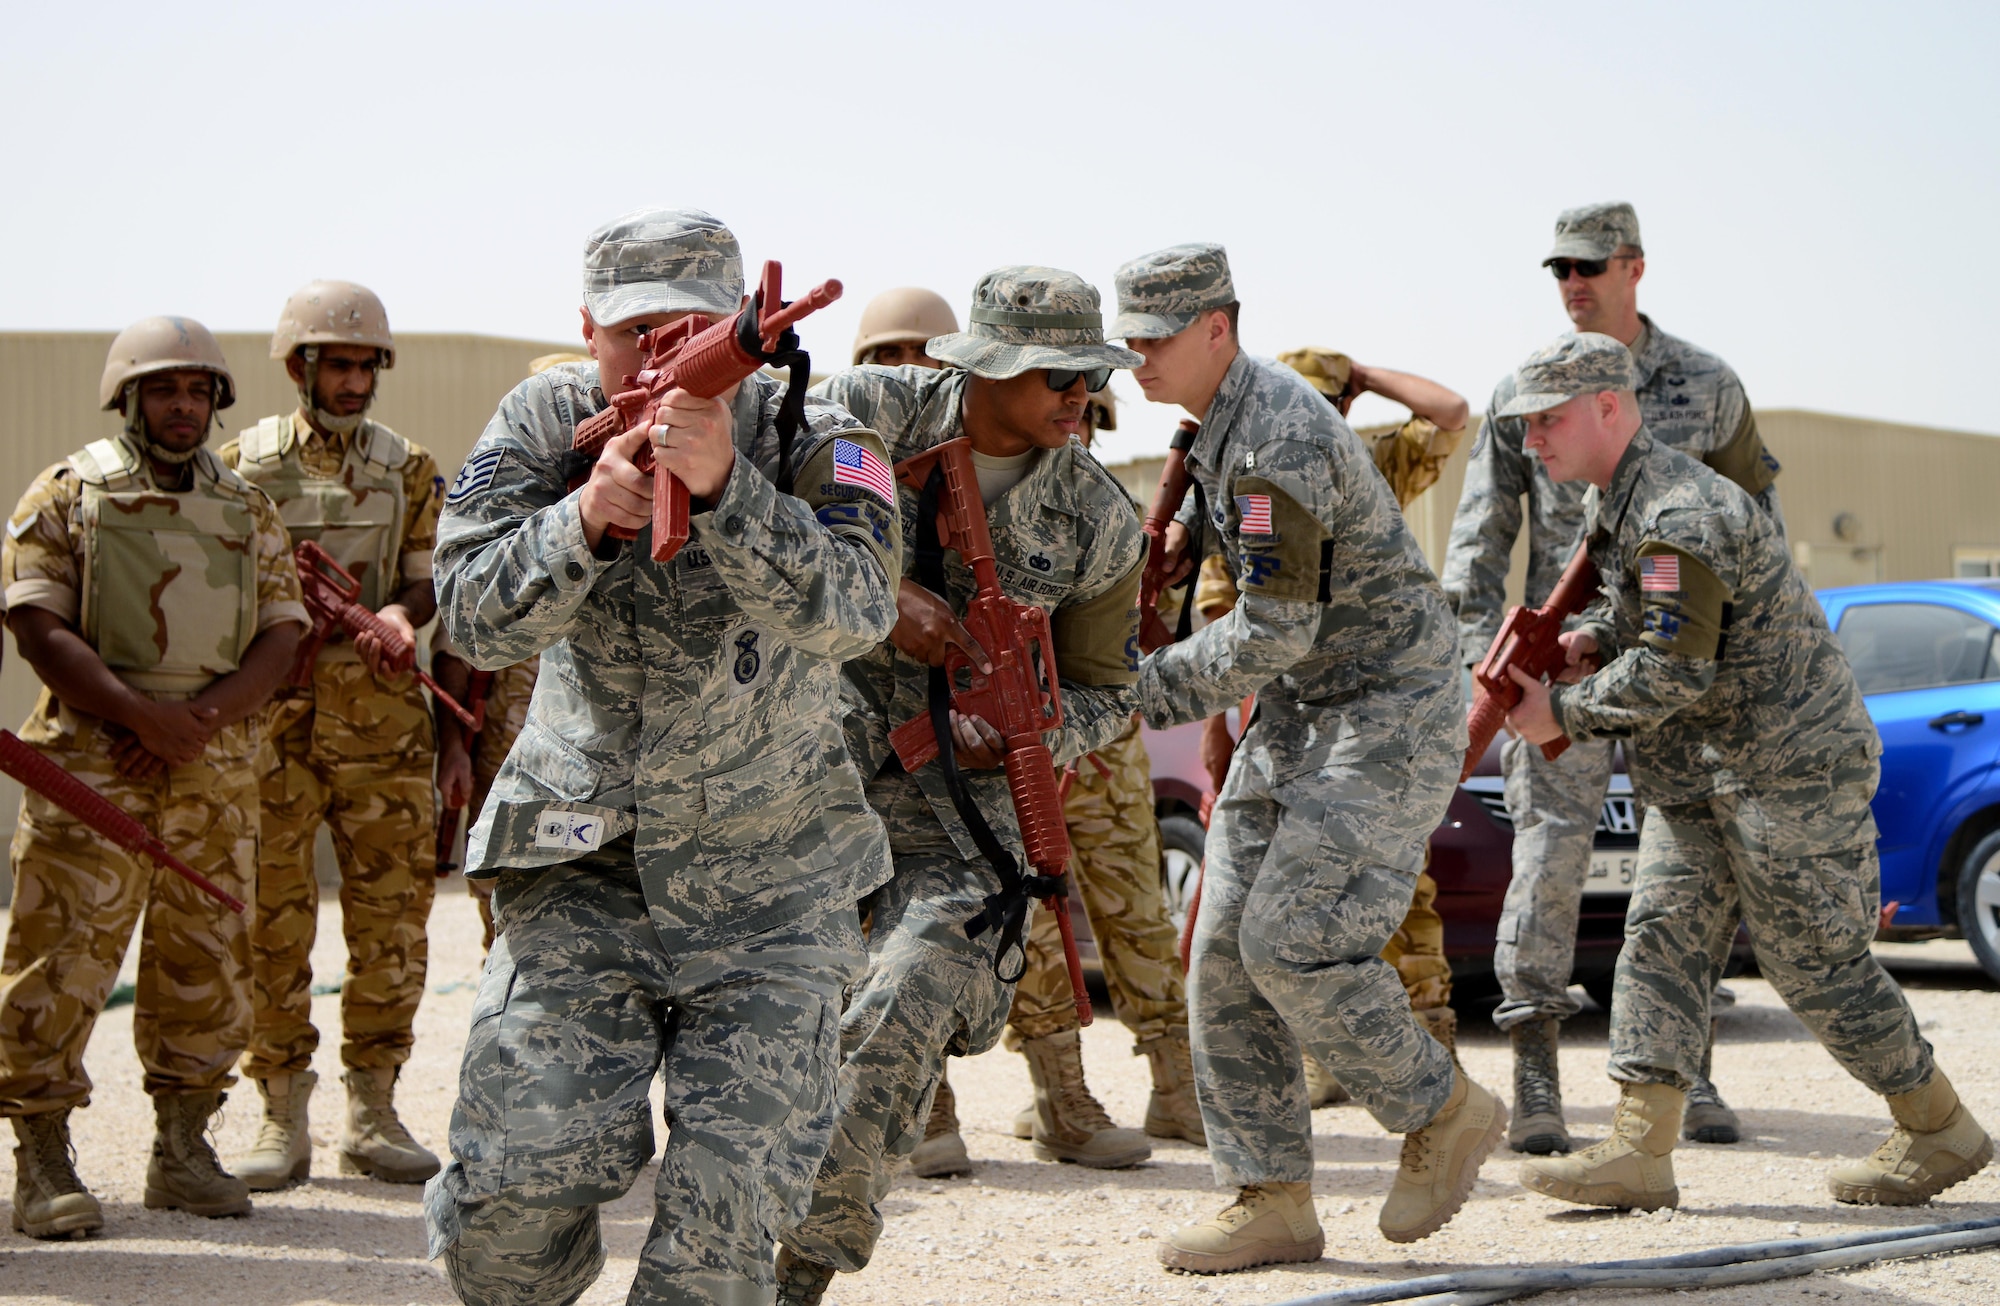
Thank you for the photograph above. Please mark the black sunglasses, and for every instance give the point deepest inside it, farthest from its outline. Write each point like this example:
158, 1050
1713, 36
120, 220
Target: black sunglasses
1584, 267
1062, 378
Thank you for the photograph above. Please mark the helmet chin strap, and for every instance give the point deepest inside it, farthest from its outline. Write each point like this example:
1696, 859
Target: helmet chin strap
339, 423
135, 427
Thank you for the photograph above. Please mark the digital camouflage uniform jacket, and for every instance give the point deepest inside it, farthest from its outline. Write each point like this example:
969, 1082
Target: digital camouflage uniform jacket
1065, 538
1690, 400
1718, 665
694, 701
1341, 629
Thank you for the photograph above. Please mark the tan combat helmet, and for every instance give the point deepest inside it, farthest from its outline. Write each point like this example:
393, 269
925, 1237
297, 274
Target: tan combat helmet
901, 316
333, 313
1100, 409
162, 344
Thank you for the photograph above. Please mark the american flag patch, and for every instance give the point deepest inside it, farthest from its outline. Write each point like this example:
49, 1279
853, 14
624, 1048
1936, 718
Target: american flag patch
1660, 573
853, 464
1255, 510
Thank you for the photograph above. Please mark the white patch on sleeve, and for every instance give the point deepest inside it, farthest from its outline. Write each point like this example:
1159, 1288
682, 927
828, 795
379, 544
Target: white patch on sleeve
17, 529
569, 831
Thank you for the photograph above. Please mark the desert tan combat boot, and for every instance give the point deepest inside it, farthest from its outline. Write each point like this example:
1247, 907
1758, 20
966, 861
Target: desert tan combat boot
282, 1154
49, 1200
801, 1282
1440, 1162
1936, 1143
1172, 1112
943, 1151
376, 1142
1068, 1123
1538, 1101
185, 1174
1322, 1089
1633, 1169
1267, 1224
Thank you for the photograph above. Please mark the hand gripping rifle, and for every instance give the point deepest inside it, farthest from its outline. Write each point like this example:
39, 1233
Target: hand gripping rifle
478, 686
333, 599
704, 357
38, 773
1527, 640
1174, 482
1020, 699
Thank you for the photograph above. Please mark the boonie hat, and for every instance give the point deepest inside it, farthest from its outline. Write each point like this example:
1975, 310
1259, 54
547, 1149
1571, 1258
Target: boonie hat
1595, 231
661, 261
1027, 317
1161, 293
1581, 363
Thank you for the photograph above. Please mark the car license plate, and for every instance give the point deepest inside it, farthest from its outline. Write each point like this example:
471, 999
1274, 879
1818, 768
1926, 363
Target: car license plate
1612, 872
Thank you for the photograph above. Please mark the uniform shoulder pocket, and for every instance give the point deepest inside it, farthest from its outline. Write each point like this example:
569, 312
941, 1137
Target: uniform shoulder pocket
1280, 543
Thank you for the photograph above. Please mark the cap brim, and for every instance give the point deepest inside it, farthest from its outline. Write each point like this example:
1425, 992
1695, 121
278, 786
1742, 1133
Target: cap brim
1534, 402
1581, 246
1150, 326
645, 298
997, 360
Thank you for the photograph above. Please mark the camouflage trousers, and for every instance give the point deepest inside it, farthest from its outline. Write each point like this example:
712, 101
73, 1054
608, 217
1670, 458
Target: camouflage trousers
1116, 841
1798, 863
381, 810
578, 1009
1306, 881
1555, 808
930, 992
77, 898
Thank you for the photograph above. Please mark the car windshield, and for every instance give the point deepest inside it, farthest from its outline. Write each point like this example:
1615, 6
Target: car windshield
1896, 646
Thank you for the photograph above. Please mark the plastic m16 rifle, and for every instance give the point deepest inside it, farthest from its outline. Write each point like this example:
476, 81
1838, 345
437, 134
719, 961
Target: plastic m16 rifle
1019, 698
1174, 481
704, 357
478, 686
1527, 640
333, 600
38, 773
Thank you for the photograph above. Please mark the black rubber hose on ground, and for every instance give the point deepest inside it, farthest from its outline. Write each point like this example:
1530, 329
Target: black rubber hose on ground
1716, 1268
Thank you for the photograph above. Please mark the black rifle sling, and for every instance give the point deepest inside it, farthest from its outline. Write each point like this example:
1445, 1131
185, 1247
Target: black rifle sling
1006, 911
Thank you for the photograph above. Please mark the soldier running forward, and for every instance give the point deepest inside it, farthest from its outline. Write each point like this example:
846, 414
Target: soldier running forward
679, 837
1754, 755
1691, 401
1318, 836
152, 590
352, 748
1066, 539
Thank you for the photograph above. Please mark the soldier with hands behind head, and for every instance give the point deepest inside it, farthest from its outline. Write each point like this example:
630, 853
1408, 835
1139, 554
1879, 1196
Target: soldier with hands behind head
1319, 834
679, 837
152, 590
1756, 759
352, 748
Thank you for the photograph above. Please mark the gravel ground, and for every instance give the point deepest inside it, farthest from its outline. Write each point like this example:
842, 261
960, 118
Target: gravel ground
1019, 1230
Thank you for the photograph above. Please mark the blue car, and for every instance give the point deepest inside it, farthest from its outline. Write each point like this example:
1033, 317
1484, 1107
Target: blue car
1927, 656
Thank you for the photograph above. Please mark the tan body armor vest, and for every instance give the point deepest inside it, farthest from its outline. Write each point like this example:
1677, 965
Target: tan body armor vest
355, 515
169, 577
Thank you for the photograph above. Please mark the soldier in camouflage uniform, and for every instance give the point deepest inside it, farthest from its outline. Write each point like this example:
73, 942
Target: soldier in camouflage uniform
678, 837
1754, 755
1410, 458
152, 590
351, 748
466, 775
1066, 539
1317, 839
1692, 401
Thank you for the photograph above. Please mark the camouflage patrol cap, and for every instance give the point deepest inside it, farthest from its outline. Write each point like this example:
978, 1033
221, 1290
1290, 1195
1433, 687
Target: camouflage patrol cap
1595, 231
661, 261
1580, 363
1023, 318
1161, 293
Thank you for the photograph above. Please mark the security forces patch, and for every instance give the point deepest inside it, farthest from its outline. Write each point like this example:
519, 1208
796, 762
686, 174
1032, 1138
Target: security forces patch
748, 650
476, 474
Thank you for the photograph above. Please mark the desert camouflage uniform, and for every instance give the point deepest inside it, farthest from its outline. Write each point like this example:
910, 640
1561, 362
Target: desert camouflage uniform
76, 896
355, 752
507, 697
1115, 839
679, 838
1691, 401
1318, 836
1750, 745
1066, 539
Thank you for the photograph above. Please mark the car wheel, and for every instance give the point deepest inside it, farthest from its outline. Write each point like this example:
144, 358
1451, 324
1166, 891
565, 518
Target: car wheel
1979, 902
1181, 843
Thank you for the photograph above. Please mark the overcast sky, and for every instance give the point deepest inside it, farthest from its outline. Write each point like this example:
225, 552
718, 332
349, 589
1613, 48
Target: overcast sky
1817, 183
